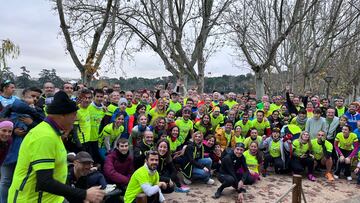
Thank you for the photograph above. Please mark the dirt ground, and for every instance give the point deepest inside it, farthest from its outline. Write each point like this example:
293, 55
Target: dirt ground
270, 188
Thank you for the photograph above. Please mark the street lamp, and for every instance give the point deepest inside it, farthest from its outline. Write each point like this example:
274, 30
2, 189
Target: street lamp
328, 80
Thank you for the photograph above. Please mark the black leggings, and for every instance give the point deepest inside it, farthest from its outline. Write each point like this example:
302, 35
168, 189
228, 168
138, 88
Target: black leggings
343, 165
152, 199
168, 188
228, 181
298, 164
333, 153
278, 162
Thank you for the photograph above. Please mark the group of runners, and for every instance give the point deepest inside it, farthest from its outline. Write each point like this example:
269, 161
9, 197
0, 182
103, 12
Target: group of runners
94, 145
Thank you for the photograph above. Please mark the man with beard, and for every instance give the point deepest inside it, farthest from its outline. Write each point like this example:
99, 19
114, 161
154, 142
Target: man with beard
41, 169
146, 180
119, 165
82, 175
352, 115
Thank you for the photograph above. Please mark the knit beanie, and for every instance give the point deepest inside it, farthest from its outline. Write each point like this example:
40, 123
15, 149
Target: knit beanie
61, 104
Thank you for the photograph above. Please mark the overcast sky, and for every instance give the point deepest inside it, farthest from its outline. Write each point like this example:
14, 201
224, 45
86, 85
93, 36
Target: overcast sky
34, 26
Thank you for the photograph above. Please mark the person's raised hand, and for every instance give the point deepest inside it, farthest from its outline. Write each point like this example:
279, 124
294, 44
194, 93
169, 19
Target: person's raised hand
94, 194
20, 132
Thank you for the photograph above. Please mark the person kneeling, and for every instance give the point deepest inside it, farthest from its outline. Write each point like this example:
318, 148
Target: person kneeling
119, 166
82, 174
274, 154
302, 156
146, 180
322, 150
229, 171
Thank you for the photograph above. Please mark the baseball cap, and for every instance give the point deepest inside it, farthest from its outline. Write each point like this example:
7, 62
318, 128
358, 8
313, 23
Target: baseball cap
84, 157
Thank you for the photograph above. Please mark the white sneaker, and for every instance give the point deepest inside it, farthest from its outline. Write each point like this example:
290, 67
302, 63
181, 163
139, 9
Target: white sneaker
187, 181
210, 182
336, 177
349, 178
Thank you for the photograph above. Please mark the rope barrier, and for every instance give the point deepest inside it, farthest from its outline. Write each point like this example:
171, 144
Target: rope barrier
287, 192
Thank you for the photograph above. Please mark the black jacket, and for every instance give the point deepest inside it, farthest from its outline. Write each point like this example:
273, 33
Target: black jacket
95, 178
230, 164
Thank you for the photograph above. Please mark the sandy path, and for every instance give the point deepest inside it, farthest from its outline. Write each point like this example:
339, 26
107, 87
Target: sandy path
269, 189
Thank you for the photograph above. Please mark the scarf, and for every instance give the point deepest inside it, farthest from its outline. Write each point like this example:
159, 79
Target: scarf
122, 157
301, 121
141, 128
173, 139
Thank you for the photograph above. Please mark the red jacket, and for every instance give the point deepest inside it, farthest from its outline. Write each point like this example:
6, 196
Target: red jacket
118, 168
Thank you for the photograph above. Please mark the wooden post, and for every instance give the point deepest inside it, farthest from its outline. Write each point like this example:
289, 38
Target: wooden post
141, 198
296, 194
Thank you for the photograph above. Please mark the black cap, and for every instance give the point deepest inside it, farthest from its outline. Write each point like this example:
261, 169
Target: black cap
84, 157
61, 104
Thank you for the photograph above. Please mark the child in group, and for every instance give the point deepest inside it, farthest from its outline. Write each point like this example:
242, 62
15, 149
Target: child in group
346, 145
216, 157
274, 152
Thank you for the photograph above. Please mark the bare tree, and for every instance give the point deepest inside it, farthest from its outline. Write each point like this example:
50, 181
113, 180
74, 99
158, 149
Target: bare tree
321, 44
260, 26
326, 32
178, 31
94, 23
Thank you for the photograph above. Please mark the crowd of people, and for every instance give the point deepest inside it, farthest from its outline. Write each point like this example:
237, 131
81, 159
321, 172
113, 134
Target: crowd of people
110, 145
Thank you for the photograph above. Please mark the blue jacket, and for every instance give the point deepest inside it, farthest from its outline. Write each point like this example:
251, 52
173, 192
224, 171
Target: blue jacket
14, 111
352, 119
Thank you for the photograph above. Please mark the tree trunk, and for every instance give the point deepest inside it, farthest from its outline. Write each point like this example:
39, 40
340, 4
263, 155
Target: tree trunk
306, 82
200, 84
259, 81
201, 74
83, 75
184, 77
